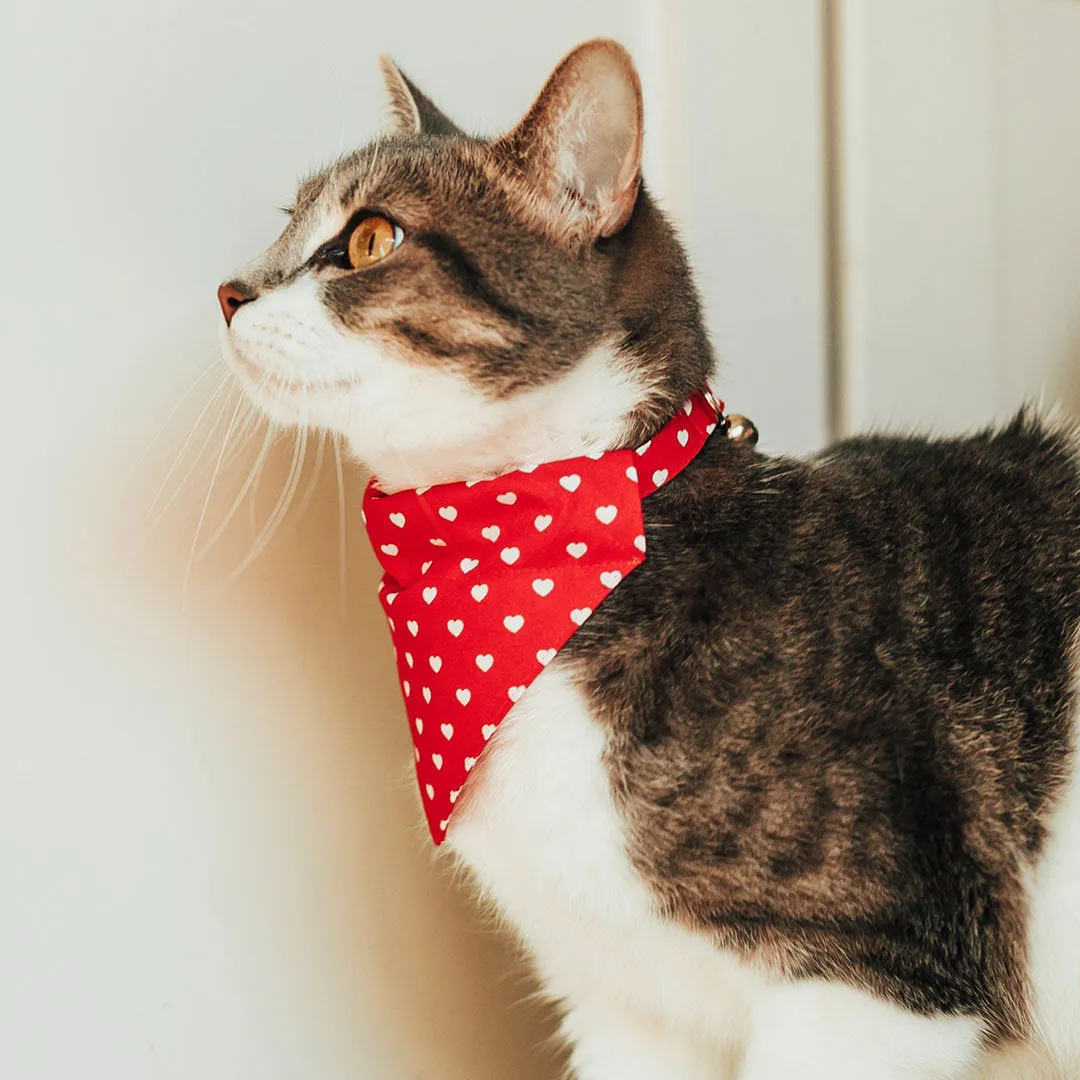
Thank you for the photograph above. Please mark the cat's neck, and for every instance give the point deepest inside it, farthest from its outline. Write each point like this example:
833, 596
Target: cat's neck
590, 409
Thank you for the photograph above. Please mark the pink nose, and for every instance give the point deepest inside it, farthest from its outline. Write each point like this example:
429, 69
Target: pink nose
232, 296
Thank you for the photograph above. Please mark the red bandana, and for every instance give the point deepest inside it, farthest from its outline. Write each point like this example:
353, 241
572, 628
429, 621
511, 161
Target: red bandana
486, 580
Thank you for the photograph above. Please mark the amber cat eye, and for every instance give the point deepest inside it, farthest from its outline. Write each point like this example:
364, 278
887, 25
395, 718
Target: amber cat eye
372, 239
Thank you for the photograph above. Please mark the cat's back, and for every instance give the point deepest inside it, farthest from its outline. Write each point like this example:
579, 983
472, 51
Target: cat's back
957, 547
840, 696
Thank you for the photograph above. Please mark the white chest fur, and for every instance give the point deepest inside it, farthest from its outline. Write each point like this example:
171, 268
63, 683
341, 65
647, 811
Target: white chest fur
543, 837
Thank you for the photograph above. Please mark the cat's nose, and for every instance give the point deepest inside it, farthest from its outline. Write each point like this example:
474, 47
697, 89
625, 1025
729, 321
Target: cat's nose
232, 296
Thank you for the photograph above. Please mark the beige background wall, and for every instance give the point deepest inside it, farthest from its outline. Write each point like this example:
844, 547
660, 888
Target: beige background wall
211, 863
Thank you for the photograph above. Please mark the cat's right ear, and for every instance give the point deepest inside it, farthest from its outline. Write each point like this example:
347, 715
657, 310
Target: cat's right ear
578, 149
412, 112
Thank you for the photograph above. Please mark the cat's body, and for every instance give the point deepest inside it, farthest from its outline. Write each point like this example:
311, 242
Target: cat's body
801, 796
779, 829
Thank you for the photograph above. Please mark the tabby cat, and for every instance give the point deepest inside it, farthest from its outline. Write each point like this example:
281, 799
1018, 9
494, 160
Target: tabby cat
801, 793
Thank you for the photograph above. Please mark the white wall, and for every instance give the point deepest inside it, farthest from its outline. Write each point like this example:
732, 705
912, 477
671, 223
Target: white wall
210, 861
747, 189
960, 211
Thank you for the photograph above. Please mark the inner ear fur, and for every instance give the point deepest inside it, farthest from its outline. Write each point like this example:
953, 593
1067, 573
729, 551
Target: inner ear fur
578, 148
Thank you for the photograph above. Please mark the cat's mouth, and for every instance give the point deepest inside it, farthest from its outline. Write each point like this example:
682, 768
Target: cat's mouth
274, 391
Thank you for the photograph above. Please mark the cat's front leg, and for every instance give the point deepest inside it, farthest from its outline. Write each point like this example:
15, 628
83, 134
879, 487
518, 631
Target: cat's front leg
609, 1045
821, 1031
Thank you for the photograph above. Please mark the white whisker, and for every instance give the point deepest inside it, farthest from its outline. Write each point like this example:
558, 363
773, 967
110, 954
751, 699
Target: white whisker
277, 514
183, 448
206, 501
253, 473
342, 536
249, 425
183, 397
313, 480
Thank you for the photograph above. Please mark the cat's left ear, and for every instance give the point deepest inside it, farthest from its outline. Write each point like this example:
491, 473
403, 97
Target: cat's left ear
579, 146
412, 112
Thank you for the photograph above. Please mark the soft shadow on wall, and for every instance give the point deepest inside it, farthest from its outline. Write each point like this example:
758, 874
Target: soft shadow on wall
312, 797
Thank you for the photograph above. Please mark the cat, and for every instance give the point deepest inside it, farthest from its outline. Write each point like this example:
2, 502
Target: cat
801, 797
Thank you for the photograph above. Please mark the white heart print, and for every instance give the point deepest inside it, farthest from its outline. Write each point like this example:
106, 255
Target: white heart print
478, 592
398, 520
430, 791
487, 731
543, 586
388, 549
507, 498
463, 695
436, 760
447, 730
571, 483
639, 542
436, 663
577, 549
514, 623
610, 578
515, 692
659, 476
430, 593
606, 514
455, 626
485, 661
414, 627
509, 555
448, 513
683, 436
490, 532
419, 726
426, 691
468, 565
580, 614
542, 521
469, 763
545, 656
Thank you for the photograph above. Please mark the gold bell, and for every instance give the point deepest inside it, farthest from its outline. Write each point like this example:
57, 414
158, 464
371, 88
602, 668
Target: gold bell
742, 429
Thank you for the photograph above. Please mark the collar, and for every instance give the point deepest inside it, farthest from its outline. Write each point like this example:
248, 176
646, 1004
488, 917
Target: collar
484, 581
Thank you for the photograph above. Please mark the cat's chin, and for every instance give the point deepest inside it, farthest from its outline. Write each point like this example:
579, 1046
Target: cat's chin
294, 402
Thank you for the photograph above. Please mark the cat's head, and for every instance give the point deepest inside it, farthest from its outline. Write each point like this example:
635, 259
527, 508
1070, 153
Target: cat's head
456, 306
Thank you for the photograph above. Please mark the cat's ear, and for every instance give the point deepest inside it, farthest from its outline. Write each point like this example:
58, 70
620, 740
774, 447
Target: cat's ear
412, 113
579, 146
